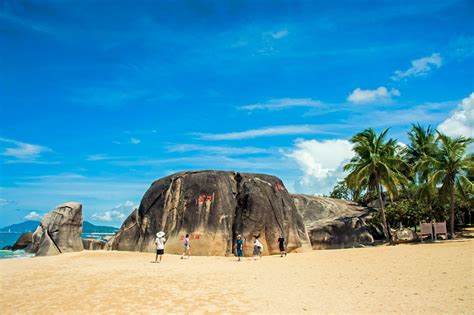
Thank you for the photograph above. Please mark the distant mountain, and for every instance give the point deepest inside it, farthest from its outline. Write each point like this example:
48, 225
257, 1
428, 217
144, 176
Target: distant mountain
30, 226
88, 227
27, 226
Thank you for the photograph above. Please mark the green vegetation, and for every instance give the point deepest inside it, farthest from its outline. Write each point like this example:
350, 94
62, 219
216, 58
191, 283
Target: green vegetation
376, 165
429, 179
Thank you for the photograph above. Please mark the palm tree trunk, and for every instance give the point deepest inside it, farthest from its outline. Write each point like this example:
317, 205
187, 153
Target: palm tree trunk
382, 211
451, 219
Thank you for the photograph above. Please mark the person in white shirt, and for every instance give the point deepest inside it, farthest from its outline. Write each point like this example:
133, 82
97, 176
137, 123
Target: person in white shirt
257, 248
187, 247
160, 245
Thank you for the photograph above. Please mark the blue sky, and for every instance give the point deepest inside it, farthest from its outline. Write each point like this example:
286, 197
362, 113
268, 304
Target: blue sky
98, 99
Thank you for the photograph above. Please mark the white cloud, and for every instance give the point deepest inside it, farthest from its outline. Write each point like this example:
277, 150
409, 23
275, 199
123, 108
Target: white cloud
380, 94
321, 163
462, 47
3, 202
22, 151
461, 122
419, 67
118, 213
279, 34
108, 216
281, 103
265, 132
135, 140
33, 215
97, 157
216, 149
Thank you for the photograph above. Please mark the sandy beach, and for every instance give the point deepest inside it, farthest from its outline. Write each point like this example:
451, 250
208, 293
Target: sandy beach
432, 278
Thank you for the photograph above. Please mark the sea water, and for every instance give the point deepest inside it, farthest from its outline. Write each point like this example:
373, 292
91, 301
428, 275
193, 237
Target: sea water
8, 239
8, 254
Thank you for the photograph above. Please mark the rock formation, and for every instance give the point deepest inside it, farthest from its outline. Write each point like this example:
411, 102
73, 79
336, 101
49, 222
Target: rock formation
60, 231
24, 241
403, 235
213, 206
93, 244
334, 223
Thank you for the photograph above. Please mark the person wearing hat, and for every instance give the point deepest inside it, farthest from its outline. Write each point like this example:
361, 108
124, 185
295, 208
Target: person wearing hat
160, 245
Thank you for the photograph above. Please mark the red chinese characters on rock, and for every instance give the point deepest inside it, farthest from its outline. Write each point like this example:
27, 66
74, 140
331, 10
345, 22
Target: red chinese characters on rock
278, 186
204, 198
194, 237
201, 198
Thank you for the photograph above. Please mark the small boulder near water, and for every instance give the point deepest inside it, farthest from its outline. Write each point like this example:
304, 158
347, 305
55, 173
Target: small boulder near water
25, 240
60, 231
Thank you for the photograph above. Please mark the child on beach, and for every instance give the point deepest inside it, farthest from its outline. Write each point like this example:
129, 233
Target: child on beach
187, 247
160, 245
240, 245
281, 245
257, 249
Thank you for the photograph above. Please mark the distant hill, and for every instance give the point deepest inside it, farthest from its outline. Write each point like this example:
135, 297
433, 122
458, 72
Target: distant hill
27, 226
30, 226
88, 227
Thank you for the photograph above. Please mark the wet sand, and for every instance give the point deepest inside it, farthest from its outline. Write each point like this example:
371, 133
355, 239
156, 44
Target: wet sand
431, 278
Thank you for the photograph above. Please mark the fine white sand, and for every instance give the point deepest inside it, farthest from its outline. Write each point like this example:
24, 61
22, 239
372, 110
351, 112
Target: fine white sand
434, 278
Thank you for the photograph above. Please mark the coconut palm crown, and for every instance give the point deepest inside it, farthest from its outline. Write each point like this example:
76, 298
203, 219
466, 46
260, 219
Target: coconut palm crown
376, 164
423, 145
450, 167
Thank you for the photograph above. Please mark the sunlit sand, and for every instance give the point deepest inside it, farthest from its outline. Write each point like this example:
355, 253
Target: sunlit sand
422, 278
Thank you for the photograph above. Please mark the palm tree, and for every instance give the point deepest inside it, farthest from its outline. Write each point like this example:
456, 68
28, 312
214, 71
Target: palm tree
450, 167
376, 164
423, 145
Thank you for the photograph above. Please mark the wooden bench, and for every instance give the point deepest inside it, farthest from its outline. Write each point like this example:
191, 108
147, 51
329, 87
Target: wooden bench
440, 228
426, 229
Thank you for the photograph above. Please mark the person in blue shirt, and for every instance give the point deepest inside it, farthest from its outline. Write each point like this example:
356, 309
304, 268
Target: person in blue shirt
240, 247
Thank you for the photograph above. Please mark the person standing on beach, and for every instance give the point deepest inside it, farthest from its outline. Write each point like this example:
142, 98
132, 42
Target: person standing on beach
257, 249
160, 245
240, 247
281, 245
187, 247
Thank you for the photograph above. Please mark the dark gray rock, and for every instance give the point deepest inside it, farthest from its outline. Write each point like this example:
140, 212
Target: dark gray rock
334, 223
8, 247
213, 206
60, 231
23, 241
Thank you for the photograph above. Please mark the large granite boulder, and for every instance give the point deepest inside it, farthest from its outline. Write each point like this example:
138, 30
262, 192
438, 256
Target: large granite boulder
214, 207
334, 223
60, 231
24, 241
